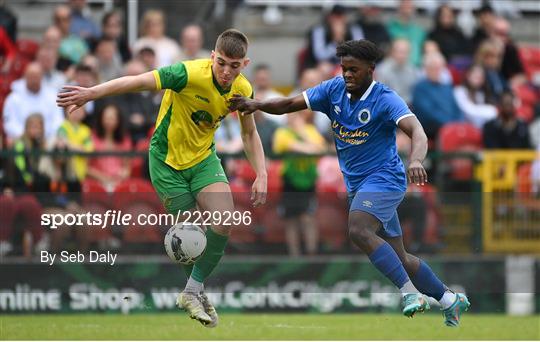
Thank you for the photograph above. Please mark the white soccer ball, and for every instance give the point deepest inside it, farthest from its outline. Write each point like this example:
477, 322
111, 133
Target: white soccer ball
185, 243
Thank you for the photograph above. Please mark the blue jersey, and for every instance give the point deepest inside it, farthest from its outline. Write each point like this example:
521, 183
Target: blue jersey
364, 130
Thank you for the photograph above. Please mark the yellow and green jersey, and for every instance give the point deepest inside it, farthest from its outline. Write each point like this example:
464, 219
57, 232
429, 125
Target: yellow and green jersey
192, 108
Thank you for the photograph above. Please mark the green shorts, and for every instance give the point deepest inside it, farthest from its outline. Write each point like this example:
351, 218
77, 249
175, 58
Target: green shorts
178, 189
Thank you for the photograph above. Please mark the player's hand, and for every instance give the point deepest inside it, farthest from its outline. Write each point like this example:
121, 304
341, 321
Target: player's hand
242, 104
416, 173
258, 191
73, 97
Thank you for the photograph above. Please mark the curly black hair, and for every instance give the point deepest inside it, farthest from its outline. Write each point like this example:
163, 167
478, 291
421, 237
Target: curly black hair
363, 49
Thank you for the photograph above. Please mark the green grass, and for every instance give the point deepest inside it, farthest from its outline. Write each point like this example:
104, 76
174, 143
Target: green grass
266, 327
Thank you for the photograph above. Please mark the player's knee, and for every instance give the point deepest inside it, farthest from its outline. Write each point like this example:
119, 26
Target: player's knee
359, 231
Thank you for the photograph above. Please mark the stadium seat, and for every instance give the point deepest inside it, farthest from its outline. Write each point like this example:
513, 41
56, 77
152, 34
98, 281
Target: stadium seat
433, 216
332, 223
94, 192
137, 163
459, 137
27, 48
136, 196
528, 98
141, 233
524, 182
135, 190
275, 181
530, 56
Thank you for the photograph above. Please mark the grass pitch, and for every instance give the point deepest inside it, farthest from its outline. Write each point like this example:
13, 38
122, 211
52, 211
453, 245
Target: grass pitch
266, 327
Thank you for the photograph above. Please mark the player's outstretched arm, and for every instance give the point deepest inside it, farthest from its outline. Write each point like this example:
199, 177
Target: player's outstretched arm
412, 127
279, 105
74, 97
255, 155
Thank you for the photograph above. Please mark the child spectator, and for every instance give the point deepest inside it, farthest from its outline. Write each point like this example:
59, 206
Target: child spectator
299, 177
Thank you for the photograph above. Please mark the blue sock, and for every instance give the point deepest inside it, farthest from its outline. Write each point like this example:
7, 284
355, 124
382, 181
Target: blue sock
427, 282
387, 262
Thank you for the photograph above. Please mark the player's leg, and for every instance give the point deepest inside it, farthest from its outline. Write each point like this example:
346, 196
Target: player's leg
367, 215
425, 280
213, 198
174, 192
213, 194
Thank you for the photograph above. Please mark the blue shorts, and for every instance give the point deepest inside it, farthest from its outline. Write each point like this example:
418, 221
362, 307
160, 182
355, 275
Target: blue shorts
380, 198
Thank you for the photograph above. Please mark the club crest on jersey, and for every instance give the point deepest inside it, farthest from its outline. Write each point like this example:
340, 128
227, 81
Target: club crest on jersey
364, 116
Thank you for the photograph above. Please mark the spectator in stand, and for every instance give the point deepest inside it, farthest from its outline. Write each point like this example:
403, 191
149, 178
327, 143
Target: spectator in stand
52, 79
28, 99
52, 37
262, 86
299, 175
228, 138
535, 173
139, 108
489, 56
8, 21
109, 62
434, 103
430, 47
109, 135
266, 129
472, 97
323, 38
153, 36
506, 131
511, 66
404, 26
111, 28
86, 76
82, 24
191, 43
451, 41
74, 136
310, 78
148, 57
8, 51
397, 72
36, 173
371, 23
534, 127
485, 18
72, 47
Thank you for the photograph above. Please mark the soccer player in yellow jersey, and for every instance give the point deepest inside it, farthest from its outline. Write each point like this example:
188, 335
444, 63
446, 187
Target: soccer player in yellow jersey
184, 167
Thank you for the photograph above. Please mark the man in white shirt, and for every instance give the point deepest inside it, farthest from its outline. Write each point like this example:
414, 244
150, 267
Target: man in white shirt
30, 99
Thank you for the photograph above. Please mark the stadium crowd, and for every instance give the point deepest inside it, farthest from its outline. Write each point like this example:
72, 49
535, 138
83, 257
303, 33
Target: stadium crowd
469, 92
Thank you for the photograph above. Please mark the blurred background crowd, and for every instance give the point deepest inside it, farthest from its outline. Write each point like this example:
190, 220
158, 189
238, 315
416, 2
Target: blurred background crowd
471, 82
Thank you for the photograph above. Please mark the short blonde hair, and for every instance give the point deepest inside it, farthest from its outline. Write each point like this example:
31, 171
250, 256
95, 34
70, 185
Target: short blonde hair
148, 17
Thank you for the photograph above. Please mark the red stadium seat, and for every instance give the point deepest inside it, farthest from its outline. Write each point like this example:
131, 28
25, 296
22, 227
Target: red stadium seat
524, 182
137, 163
460, 137
332, 224
139, 232
28, 48
528, 98
530, 56
94, 192
135, 190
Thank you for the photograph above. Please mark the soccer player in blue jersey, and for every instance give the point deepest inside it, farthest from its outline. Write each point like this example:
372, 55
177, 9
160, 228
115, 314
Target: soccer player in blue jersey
365, 115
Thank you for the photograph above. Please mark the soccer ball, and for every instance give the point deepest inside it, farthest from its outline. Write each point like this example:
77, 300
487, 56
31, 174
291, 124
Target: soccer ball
185, 243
